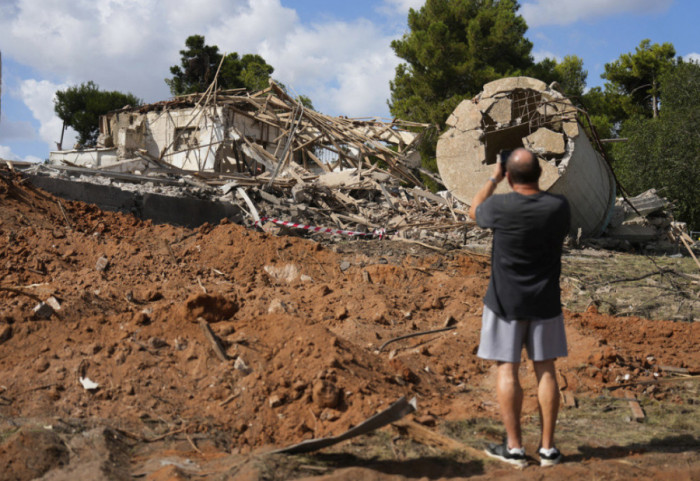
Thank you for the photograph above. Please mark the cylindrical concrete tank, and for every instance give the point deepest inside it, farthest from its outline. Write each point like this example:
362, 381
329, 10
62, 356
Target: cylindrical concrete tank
523, 112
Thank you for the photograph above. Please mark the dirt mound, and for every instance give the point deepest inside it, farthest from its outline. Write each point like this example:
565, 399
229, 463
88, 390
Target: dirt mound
300, 326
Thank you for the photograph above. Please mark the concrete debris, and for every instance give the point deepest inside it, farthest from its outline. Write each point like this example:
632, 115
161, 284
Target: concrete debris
44, 310
524, 112
102, 264
360, 201
644, 221
263, 135
240, 365
255, 157
88, 384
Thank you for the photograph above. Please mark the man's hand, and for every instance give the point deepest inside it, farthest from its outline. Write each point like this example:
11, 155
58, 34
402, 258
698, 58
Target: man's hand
498, 173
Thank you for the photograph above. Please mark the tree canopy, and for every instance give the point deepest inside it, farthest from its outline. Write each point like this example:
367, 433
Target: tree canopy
453, 48
664, 152
199, 63
81, 106
637, 76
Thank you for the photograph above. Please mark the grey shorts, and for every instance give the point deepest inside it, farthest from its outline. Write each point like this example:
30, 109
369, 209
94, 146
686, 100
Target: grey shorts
503, 340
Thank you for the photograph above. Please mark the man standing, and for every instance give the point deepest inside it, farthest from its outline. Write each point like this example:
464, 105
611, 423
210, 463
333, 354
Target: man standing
522, 304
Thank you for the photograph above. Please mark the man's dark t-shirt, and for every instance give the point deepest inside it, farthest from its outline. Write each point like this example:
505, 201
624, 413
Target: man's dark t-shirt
528, 233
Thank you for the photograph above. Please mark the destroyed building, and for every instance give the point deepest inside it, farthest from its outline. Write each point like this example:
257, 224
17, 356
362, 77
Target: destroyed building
523, 112
236, 132
265, 158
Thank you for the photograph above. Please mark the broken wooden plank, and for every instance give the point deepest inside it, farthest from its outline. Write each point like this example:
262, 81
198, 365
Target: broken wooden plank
213, 340
569, 399
249, 203
636, 408
424, 435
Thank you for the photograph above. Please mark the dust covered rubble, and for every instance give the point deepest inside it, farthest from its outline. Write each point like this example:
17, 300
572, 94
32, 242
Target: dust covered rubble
645, 221
368, 203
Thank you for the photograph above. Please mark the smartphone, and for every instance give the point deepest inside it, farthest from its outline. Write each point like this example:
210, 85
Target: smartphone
503, 158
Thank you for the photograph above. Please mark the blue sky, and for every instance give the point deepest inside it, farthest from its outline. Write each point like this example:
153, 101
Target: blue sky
336, 52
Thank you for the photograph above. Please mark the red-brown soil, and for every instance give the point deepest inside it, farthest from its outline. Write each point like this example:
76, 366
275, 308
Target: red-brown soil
305, 326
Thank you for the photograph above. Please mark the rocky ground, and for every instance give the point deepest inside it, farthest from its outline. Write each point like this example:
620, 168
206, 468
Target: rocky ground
300, 324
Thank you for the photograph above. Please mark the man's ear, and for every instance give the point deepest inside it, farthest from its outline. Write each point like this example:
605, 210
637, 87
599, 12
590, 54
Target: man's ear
510, 182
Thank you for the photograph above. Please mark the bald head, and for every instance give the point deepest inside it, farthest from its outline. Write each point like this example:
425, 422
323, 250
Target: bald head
523, 167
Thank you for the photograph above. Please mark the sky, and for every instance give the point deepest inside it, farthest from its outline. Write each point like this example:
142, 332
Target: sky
336, 52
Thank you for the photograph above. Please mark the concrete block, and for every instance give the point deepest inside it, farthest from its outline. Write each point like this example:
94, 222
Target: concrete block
466, 116
545, 141
500, 111
511, 83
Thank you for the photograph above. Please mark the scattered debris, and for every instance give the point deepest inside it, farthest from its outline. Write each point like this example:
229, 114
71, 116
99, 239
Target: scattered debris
88, 384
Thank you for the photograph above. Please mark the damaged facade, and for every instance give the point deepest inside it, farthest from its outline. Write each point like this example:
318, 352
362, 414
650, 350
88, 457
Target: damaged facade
234, 132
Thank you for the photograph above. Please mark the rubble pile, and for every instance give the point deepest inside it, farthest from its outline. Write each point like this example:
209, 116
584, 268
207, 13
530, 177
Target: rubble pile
644, 221
368, 202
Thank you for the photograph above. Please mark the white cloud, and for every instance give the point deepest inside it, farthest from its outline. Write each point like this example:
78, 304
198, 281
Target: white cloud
38, 96
129, 45
401, 7
692, 57
7, 154
565, 12
540, 55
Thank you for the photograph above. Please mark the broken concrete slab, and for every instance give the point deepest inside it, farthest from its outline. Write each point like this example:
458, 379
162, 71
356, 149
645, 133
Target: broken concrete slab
500, 111
466, 116
545, 141
511, 83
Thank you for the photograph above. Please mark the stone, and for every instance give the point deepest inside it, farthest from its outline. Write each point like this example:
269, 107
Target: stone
102, 264
545, 141
287, 273
43, 311
240, 365
344, 266
275, 400
277, 307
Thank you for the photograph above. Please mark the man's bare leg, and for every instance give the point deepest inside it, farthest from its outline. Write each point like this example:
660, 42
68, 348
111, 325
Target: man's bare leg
548, 400
510, 400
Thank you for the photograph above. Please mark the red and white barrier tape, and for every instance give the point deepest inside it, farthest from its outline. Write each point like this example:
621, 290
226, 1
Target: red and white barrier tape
381, 233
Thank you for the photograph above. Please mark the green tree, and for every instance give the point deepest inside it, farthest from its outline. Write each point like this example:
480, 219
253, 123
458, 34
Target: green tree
664, 152
199, 63
572, 76
453, 48
637, 76
569, 74
81, 106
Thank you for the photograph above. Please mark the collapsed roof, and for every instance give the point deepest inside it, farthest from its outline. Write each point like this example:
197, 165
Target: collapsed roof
266, 133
